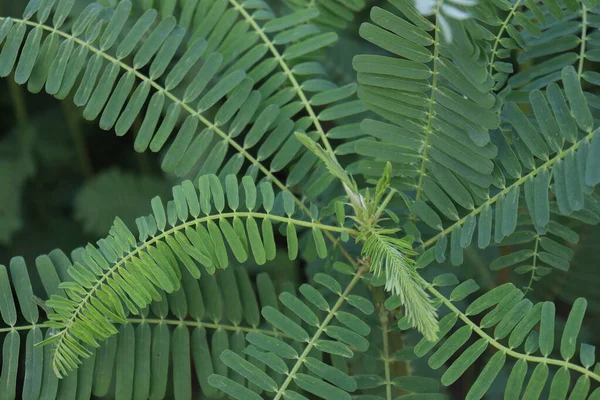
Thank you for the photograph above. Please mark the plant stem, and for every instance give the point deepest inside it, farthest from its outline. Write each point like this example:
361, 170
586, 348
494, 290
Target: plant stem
330, 315
510, 352
74, 122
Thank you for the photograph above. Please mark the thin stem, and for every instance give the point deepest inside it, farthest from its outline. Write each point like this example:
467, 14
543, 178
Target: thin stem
18, 101
583, 40
559, 156
532, 278
138, 74
384, 204
431, 112
196, 221
505, 23
167, 321
20, 328
330, 315
240, 149
288, 72
379, 297
198, 324
386, 358
73, 121
506, 350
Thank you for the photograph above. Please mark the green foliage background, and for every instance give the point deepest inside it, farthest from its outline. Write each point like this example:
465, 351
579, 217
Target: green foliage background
63, 181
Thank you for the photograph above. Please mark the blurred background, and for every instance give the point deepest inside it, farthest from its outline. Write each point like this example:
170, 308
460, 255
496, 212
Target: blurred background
63, 181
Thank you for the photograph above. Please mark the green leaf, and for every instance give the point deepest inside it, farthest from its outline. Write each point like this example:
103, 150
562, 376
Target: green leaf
510, 210
450, 346
320, 244
579, 107
546, 120
568, 343
160, 360
546, 337
220, 90
269, 359
234, 241
440, 200
331, 374
445, 280
249, 371
573, 182
554, 261
360, 303
426, 213
329, 282
135, 34
256, 244
232, 388
456, 252
22, 285
291, 20
511, 259
271, 344
334, 348
542, 207
464, 361
512, 318
393, 43
319, 388
309, 45
10, 364
33, 365
7, 304
284, 324
563, 115
587, 354
485, 227
592, 168
125, 362
560, 384
515, 381
299, 308
115, 25
526, 131
463, 290
537, 382
11, 47
29, 54
524, 327
487, 376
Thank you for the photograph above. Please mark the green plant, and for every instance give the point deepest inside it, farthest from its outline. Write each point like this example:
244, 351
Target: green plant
471, 118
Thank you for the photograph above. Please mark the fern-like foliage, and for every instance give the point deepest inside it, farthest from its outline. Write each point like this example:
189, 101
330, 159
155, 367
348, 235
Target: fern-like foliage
389, 256
386, 371
132, 270
532, 27
436, 95
470, 146
202, 318
525, 156
331, 331
223, 85
336, 14
560, 147
521, 330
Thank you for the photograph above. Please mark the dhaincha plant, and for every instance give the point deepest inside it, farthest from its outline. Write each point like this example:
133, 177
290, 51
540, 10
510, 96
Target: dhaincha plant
327, 199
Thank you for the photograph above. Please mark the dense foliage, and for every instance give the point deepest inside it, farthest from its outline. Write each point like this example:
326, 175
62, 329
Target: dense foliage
327, 199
